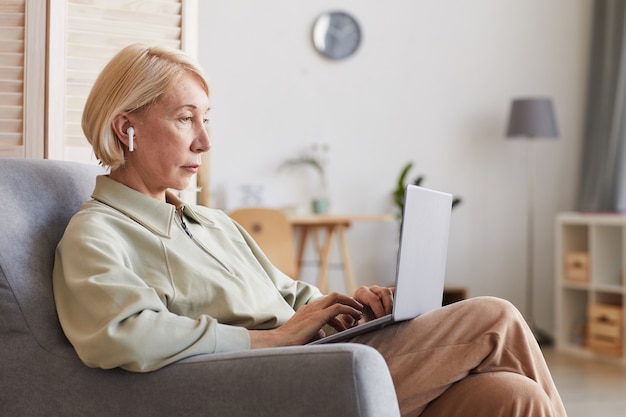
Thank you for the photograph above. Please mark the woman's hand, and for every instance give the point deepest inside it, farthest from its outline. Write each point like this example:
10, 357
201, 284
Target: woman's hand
336, 310
378, 301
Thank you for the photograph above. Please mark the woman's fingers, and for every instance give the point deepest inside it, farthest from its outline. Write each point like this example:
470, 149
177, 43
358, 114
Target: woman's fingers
337, 298
385, 295
336, 310
378, 299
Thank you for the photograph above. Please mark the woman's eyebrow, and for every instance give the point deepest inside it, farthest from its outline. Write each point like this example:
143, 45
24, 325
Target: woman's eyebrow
192, 106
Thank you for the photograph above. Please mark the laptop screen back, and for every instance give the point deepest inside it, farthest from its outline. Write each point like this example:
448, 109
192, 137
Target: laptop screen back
423, 251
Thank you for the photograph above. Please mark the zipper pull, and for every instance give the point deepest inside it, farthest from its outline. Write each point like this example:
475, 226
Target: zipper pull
182, 221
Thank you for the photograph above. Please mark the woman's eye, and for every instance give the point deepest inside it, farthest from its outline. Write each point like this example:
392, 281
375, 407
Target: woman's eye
205, 121
185, 119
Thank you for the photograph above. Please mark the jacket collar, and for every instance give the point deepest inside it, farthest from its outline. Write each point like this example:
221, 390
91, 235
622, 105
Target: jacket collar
154, 215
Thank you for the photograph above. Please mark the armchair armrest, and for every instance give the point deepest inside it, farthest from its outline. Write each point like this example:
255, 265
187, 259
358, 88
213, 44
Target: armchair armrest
347, 380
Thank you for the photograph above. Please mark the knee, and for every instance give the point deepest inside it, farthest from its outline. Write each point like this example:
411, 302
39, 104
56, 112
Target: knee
494, 303
497, 308
491, 315
518, 395
494, 394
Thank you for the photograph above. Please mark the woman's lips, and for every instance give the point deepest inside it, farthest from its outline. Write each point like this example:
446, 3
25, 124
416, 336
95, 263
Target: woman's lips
192, 168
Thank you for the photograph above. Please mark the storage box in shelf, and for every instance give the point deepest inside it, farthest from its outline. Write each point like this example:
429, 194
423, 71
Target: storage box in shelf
605, 329
577, 266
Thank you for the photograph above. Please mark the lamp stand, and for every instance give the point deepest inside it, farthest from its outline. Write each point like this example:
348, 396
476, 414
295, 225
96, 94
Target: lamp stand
543, 338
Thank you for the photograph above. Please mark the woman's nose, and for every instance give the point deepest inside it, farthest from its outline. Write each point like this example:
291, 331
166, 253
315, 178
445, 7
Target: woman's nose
203, 140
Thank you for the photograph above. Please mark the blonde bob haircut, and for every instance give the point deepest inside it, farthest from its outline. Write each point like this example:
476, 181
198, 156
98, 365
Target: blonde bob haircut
133, 80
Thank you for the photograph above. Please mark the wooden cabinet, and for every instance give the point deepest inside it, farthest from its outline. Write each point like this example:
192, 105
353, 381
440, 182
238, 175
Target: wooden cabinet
590, 286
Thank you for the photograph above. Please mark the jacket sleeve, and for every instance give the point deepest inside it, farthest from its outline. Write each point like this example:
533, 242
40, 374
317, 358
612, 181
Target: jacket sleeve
114, 319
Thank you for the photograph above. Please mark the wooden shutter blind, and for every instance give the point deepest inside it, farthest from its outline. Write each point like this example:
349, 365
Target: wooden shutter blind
12, 22
85, 34
22, 75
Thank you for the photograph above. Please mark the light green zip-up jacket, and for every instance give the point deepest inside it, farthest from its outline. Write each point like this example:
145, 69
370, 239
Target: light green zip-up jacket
135, 290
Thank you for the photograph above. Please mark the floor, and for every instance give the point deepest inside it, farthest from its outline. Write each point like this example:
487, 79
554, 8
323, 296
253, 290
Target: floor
589, 388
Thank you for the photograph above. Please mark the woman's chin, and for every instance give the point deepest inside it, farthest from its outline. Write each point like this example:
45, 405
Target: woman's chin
181, 185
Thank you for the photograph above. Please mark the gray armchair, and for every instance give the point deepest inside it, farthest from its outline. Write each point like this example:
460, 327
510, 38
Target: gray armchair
40, 374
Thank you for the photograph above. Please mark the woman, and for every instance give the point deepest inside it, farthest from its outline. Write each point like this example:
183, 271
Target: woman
142, 280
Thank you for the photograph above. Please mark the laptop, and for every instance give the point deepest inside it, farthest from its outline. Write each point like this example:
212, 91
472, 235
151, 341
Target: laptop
421, 264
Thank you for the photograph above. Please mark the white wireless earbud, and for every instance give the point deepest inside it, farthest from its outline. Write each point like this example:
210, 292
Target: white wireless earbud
131, 138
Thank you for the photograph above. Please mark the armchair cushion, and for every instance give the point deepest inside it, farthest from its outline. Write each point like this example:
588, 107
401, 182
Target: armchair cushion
40, 374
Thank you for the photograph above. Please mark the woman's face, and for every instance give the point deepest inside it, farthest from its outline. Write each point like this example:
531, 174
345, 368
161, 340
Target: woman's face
170, 137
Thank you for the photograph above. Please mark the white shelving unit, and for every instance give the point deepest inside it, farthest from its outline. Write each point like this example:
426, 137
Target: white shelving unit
596, 282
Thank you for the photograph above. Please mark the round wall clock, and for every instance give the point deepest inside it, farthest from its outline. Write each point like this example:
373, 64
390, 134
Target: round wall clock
336, 35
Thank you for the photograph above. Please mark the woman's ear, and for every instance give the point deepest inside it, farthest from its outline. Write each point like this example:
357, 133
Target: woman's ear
120, 126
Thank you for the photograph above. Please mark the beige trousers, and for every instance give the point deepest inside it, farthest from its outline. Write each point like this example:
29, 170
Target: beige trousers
473, 358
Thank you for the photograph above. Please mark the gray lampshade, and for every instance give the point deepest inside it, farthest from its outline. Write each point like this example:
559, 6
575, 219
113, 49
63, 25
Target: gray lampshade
532, 118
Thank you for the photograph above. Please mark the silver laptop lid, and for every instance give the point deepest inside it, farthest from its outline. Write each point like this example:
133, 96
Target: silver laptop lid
422, 253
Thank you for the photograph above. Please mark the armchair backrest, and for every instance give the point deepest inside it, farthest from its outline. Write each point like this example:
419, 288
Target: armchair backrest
38, 199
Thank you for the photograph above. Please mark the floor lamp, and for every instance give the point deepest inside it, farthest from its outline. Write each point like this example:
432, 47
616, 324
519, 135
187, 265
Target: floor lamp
532, 118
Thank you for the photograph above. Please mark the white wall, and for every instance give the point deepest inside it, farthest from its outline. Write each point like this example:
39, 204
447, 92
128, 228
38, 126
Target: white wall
431, 83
